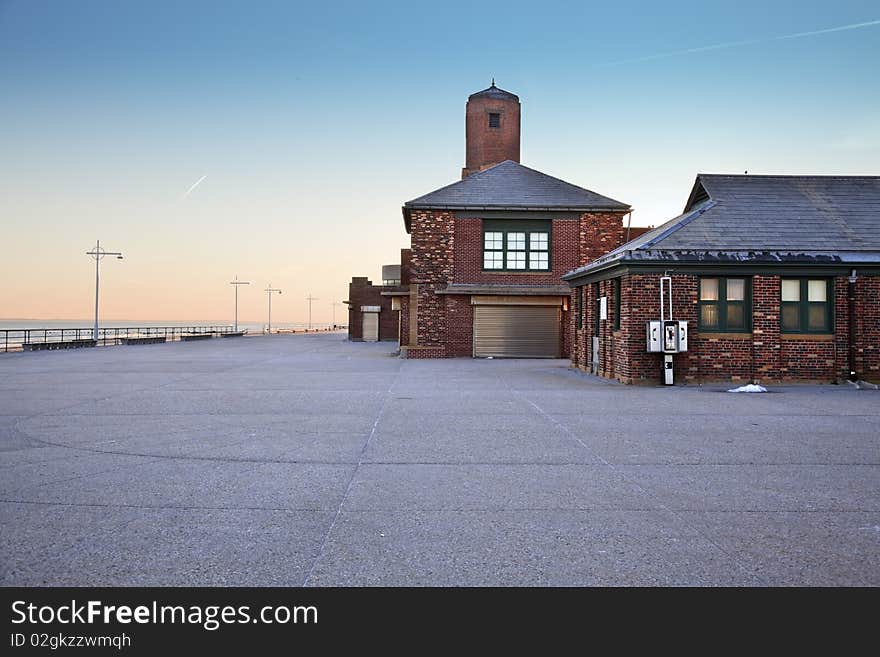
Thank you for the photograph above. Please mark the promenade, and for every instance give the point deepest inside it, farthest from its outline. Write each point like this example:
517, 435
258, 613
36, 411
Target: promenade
306, 459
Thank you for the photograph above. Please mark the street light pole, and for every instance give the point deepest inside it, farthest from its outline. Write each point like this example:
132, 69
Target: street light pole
333, 305
236, 283
310, 298
97, 253
270, 290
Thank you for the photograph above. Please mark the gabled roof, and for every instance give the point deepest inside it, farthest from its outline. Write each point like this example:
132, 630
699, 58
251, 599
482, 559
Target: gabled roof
512, 186
765, 219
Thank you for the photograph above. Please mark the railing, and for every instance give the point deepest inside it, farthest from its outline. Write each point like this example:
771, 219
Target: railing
13, 339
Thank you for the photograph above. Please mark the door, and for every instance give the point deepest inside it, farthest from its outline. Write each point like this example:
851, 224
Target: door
517, 331
371, 327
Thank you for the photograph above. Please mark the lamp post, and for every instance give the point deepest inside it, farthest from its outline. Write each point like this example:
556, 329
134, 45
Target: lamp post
333, 305
236, 283
270, 290
310, 298
98, 253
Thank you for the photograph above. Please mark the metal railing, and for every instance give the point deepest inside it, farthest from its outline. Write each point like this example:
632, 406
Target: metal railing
14, 339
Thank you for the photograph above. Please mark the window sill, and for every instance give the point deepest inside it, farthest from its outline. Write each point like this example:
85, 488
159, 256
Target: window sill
518, 272
808, 337
724, 335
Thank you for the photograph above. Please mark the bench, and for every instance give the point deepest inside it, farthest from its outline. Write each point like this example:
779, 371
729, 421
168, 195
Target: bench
145, 339
233, 334
186, 337
62, 344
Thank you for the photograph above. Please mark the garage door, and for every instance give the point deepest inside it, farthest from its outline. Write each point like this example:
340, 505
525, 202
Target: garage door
516, 331
371, 327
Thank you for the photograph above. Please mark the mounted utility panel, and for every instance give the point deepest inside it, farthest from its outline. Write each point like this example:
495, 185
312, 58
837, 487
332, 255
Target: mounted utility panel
667, 336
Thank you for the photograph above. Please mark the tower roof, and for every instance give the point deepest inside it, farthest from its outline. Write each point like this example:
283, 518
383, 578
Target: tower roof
494, 92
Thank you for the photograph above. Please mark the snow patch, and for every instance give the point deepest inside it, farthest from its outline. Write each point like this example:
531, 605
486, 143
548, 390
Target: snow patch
749, 388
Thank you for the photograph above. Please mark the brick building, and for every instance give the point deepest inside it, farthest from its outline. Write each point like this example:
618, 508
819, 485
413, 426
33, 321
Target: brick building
489, 251
778, 278
373, 314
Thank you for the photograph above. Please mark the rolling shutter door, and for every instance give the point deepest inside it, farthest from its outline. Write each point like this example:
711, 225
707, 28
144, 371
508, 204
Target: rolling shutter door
371, 327
516, 331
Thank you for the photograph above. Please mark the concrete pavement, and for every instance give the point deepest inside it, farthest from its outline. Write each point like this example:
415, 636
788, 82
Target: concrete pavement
305, 459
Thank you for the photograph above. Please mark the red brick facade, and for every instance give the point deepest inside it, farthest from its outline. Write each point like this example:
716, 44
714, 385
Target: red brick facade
486, 145
764, 354
362, 292
449, 250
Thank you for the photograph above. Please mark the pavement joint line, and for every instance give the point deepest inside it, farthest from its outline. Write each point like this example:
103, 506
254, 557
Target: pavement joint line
326, 539
434, 510
172, 507
741, 566
53, 482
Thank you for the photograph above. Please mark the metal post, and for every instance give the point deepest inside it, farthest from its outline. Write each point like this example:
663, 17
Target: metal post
310, 298
270, 290
97, 254
236, 283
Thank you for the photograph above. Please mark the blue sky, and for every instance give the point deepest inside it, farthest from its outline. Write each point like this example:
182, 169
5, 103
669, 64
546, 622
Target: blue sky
314, 122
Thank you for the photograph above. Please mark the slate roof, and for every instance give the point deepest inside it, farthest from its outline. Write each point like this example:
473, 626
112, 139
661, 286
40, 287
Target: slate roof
494, 92
512, 186
765, 218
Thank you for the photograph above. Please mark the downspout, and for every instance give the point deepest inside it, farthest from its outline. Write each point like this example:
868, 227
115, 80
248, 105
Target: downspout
629, 218
851, 298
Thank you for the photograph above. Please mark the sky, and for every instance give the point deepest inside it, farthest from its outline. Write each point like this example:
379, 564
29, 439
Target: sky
277, 141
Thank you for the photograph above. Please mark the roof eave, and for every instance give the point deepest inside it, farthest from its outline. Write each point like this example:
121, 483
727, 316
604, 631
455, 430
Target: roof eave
542, 208
783, 258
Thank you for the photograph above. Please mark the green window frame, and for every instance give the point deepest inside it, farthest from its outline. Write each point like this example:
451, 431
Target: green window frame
725, 304
807, 305
617, 287
579, 307
517, 246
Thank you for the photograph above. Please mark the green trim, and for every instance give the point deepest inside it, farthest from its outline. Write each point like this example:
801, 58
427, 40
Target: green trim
804, 307
580, 307
723, 306
528, 227
518, 215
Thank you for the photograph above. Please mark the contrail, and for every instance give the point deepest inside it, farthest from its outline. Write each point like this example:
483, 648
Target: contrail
195, 184
747, 42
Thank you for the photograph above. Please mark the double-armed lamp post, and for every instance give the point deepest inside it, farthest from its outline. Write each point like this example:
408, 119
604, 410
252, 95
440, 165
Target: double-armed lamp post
98, 253
270, 291
310, 298
236, 283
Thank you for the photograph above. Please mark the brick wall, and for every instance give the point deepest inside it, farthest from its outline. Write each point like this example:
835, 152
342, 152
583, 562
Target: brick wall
867, 314
764, 355
485, 146
564, 255
362, 292
449, 250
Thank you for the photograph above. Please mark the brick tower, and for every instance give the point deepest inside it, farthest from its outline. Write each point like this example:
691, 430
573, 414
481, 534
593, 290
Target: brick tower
492, 123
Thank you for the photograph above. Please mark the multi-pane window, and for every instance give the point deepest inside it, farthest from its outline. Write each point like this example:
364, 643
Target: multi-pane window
494, 120
725, 304
806, 305
516, 249
493, 250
